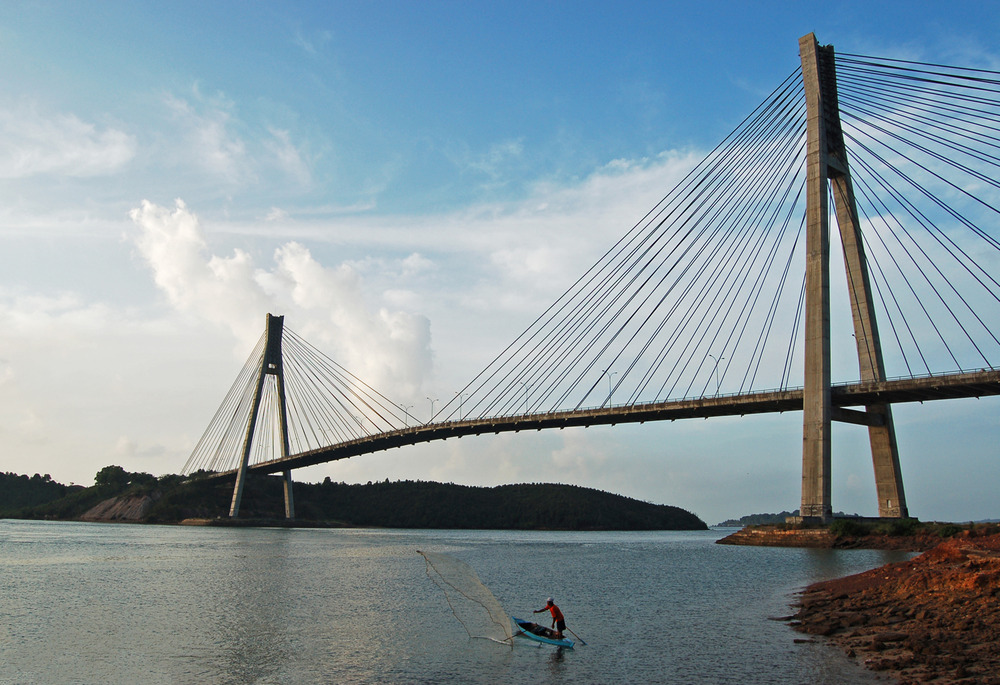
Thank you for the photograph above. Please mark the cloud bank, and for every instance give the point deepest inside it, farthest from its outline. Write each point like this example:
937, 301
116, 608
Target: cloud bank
329, 306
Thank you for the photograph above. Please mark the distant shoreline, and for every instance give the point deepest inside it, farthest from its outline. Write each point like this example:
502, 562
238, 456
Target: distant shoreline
401, 504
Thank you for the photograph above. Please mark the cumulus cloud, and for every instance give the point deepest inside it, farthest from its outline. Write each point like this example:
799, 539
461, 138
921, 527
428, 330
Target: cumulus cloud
222, 290
329, 306
34, 143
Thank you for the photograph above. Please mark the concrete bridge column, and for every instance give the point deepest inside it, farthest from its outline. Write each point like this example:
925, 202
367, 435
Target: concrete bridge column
827, 165
816, 408
271, 364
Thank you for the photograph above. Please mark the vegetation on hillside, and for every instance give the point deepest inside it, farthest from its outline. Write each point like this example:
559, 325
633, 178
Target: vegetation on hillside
910, 527
402, 504
860, 529
42, 497
757, 519
19, 491
769, 519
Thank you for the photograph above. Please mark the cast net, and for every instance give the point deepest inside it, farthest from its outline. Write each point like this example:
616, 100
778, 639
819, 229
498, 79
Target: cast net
473, 604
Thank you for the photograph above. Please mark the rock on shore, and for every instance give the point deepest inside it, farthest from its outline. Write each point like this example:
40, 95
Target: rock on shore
132, 508
934, 618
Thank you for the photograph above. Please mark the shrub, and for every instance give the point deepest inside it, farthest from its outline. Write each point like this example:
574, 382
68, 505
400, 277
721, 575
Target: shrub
902, 527
849, 527
949, 530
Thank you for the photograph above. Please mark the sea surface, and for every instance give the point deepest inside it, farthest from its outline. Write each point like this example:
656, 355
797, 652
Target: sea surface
104, 603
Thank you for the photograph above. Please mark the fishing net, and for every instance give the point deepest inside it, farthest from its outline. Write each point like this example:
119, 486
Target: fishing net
473, 604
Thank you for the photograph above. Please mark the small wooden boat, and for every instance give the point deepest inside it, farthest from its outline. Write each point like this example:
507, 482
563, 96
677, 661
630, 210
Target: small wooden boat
539, 633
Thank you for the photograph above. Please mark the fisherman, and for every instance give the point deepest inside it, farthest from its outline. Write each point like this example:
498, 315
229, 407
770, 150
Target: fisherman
558, 620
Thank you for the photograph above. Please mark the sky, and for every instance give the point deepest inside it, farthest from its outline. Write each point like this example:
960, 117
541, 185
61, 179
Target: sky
410, 184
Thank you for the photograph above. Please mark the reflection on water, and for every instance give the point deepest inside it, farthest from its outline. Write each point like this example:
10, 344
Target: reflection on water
92, 603
255, 600
555, 662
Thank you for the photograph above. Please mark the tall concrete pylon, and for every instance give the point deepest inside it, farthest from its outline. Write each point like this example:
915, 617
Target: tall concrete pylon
271, 364
827, 167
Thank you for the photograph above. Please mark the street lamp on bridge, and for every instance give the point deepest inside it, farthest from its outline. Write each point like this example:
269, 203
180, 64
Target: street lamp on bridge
526, 387
461, 398
611, 374
717, 383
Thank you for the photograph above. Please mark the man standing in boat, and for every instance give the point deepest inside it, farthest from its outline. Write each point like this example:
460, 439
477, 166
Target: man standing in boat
558, 620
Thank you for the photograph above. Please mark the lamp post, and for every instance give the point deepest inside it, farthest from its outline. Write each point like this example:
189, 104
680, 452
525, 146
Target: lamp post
717, 383
406, 413
611, 374
461, 398
433, 400
526, 386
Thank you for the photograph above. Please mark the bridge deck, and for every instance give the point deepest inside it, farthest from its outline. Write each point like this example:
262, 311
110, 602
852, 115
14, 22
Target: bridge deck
953, 386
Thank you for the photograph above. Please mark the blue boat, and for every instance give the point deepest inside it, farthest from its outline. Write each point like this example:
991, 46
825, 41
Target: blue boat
533, 631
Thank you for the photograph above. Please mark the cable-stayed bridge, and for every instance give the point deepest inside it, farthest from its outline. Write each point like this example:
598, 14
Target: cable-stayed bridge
722, 299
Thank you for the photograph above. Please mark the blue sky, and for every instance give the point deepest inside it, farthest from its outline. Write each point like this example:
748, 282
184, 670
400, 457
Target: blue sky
410, 183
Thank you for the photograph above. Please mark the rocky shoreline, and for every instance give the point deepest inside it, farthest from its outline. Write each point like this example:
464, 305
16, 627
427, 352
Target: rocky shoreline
934, 618
824, 538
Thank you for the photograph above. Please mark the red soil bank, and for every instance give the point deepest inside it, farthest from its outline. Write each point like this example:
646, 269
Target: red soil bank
821, 538
934, 618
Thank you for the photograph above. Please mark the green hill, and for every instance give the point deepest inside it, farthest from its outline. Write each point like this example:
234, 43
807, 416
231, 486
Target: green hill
402, 504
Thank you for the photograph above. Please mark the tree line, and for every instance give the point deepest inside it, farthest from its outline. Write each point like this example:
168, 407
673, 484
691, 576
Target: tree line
400, 504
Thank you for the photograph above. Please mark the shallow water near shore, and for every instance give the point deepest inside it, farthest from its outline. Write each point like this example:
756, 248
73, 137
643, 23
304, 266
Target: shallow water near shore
99, 603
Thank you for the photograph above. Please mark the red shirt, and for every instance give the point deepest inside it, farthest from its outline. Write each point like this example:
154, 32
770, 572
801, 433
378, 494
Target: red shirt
556, 614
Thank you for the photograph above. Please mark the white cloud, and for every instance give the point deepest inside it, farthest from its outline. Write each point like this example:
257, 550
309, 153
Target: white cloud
34, 143
329, 305
416, 263
222, 290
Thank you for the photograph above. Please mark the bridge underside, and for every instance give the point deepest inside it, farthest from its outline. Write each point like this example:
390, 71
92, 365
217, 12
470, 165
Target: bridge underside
964, 385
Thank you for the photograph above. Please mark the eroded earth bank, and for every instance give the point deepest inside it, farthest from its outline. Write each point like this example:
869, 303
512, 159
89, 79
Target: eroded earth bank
934, 618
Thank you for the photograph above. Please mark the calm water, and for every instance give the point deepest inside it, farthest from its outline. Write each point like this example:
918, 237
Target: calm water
93, 603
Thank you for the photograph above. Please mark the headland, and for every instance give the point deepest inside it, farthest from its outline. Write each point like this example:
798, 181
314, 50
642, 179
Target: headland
934, 618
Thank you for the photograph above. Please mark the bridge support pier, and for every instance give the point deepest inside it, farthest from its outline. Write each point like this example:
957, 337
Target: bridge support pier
289, 501
270, 365
827, 167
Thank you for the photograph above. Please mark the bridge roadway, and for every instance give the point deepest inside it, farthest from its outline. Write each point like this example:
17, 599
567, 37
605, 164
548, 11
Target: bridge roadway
953, 386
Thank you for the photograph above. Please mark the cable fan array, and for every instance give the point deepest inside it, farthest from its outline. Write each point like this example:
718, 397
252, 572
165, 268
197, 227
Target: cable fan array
697, 298
705, 295
924, 142
325, 405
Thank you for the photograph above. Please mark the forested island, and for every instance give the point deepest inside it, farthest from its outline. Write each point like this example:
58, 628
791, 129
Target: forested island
119, 495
